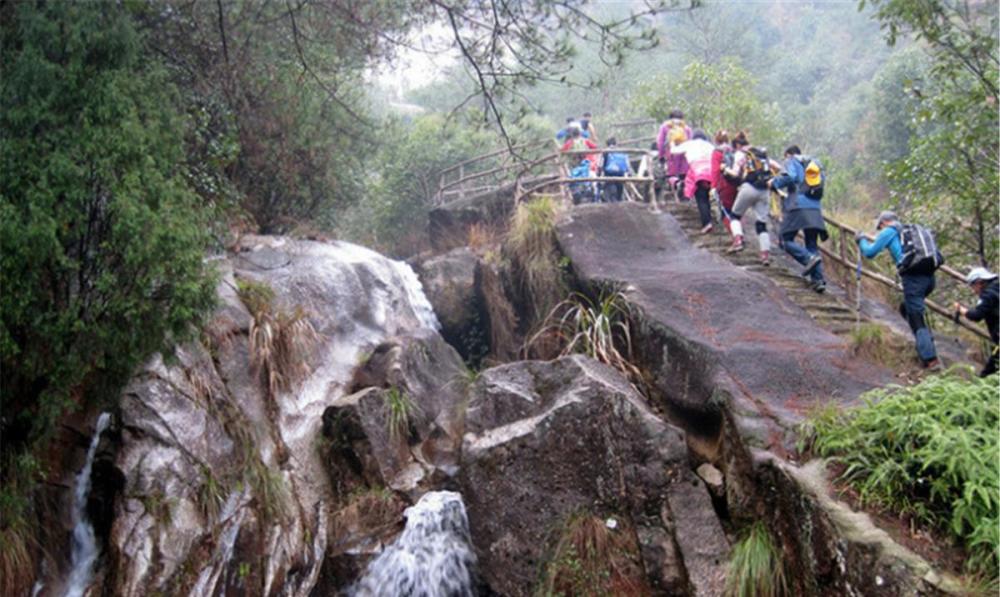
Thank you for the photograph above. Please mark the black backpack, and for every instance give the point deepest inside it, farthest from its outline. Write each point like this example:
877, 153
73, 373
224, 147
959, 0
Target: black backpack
758, 168
920, 252
728, 160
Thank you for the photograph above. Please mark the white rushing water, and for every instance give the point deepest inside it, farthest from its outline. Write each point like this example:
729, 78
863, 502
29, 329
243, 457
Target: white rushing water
85, 549
432, 557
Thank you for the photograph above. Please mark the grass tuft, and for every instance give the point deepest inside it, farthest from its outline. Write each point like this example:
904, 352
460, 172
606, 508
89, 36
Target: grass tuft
929, 451
592, 559
17, 534
279, 340
755, 566
874, 342
401, 409
598, 329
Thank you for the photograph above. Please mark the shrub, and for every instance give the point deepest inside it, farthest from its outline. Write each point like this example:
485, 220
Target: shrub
930, 451
755, 566
102, 240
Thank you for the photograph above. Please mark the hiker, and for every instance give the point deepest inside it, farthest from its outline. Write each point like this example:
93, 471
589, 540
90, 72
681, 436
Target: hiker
987, 286
724, 187
753, 168
577, 142
802, 182
698, 180
673, 132
615, 164
587, 126
918, 280
564, 133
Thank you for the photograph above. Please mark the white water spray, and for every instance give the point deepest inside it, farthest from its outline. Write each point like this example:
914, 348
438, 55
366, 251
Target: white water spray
433, 556
84, 550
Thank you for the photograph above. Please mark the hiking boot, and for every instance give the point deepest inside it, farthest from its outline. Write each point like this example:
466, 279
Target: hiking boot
933, 365
737, 245
765, 258
819, 286
707, 228
811, 264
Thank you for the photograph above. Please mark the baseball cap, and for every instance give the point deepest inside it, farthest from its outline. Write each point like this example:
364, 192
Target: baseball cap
977, 274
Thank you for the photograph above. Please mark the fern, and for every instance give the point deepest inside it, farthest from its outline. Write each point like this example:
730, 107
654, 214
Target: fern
931, 451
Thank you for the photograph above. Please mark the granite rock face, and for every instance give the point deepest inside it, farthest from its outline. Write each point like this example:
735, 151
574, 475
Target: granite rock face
545, 440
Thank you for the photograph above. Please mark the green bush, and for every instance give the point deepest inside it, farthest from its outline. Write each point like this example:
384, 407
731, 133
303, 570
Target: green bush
101, 240
930, 451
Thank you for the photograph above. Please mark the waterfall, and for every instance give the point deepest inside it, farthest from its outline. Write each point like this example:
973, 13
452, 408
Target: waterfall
432, 557
84, 550
415, 293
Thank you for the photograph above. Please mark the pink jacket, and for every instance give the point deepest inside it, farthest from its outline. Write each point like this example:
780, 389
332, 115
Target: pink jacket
700, 170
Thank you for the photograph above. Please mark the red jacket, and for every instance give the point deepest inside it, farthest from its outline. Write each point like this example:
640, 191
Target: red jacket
726, 189
568, 146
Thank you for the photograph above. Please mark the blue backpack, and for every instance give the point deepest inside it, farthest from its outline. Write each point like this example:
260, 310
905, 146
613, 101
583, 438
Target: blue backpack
616, 164
581, 171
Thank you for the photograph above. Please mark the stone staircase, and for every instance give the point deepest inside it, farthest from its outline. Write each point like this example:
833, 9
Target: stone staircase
832, 309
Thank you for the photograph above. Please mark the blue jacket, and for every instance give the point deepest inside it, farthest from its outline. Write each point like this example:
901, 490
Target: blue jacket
888, 237
794, 176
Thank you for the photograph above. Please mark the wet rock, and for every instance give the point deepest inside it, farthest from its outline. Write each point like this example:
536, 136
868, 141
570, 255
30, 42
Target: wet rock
832, 549
547, 439
224, 487
450, 284
402, 424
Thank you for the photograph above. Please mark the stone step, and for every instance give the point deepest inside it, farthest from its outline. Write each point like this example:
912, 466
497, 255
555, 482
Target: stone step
833, 316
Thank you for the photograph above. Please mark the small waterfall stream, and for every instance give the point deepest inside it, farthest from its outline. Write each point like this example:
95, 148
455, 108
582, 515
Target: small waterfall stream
432, 557
84, 549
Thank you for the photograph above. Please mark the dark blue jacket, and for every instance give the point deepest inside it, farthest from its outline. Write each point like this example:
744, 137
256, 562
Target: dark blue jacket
988, 308
794, 177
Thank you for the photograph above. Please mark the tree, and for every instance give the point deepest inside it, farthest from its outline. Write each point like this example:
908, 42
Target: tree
712, 96
101, 237
951, 174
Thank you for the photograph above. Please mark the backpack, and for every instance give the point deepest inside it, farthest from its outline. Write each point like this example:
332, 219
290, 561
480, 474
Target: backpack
677, 134
579, 144
920, 252
813, 191
728, 161
581, 171
616, 164
758, 168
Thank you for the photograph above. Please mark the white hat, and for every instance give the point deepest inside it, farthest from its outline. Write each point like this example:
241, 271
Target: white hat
977, 274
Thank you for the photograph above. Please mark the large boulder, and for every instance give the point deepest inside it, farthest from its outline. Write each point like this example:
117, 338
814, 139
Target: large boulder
546, 440
450, 284
401, 425
713, 336
225, 489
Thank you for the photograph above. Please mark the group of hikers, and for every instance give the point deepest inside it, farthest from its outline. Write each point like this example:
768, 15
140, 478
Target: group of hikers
740, 177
